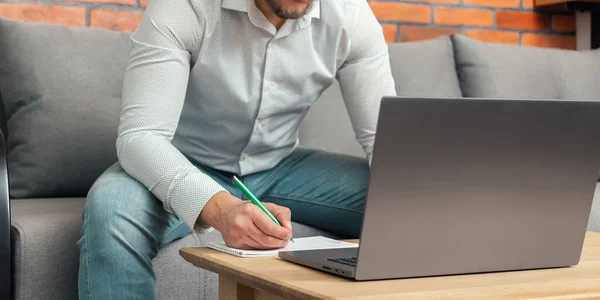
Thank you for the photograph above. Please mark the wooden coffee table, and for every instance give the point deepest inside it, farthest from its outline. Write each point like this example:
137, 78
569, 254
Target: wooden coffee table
272, 278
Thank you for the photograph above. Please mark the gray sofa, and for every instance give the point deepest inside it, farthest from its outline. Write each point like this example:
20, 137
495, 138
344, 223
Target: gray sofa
60, 88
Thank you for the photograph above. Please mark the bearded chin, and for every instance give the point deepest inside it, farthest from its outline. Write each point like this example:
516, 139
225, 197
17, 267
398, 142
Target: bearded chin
286, 13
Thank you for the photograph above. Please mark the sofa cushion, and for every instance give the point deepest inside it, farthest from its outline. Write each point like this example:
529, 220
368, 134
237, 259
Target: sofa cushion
61, 88
44, 253
423, 68
44, 237
491, 70
46, 257
594, 221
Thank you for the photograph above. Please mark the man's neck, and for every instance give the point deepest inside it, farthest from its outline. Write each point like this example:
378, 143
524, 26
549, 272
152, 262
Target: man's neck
269, 14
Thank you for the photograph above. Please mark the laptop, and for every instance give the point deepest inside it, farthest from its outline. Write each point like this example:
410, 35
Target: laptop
469, 185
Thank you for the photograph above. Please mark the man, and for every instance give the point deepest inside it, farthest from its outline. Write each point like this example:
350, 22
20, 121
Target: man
215, 89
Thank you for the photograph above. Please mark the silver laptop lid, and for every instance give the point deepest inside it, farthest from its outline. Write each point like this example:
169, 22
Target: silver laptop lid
475, 185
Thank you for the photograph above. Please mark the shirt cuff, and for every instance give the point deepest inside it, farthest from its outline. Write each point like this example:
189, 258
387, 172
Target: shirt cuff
189, 197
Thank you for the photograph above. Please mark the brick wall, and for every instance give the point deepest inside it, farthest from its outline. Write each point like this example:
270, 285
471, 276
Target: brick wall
502, 21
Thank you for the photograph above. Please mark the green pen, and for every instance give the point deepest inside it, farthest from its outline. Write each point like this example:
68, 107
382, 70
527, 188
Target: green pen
255, 200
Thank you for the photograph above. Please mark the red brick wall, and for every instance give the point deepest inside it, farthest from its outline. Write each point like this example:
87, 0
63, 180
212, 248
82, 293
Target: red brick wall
502, 21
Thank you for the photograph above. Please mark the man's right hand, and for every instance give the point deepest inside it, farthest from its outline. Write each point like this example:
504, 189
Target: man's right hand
244, 225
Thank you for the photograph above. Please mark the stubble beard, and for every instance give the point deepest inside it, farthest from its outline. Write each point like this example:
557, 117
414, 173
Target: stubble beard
286, 13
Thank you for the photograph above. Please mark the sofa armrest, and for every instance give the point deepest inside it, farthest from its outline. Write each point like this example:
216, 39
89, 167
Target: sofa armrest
5, 251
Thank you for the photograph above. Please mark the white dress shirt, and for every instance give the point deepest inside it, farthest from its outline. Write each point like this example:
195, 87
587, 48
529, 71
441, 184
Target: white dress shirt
215, 82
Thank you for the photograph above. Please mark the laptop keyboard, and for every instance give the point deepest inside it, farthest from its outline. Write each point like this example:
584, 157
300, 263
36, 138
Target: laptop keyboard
350, 261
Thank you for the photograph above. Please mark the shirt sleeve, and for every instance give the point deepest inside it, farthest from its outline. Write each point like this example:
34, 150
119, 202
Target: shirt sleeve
365, 77
154, 89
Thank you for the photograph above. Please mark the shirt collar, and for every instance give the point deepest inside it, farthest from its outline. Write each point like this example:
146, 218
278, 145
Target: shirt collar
315, 11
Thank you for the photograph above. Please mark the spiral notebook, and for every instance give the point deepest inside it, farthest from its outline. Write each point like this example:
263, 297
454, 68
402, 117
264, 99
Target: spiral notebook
306, 243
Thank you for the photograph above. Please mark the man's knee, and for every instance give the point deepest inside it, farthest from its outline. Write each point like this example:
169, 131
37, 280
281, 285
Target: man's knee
116, 195
351, 179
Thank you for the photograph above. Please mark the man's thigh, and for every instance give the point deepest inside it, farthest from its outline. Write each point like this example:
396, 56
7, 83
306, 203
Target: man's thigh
322, 189
117, 201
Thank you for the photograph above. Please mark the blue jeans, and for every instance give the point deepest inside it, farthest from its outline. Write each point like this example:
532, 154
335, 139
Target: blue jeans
125, 225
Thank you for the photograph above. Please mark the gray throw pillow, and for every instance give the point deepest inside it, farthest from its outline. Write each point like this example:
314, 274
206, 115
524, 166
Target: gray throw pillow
425, 68
420, 69
490, 70
61, 88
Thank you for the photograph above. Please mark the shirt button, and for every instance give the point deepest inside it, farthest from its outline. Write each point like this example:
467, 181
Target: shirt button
269, 85
244, 156
258, 128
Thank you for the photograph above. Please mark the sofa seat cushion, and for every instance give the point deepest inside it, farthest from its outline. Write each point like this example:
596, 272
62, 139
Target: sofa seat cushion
44, 234
45, 254
61, 88
489, 70
420, 69
594, 221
